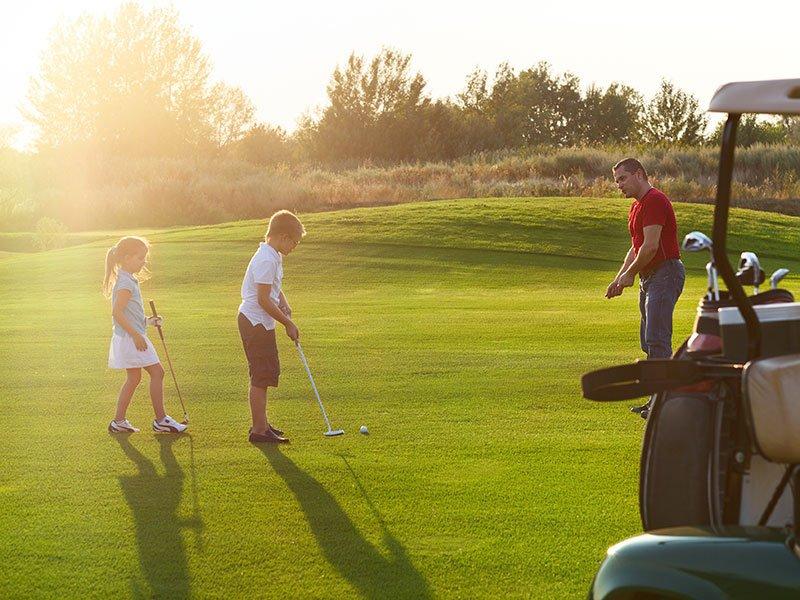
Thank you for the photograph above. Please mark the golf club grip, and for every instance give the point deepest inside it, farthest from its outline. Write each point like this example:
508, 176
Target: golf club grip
160, 333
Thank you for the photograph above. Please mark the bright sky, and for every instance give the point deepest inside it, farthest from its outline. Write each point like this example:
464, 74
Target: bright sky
283, 53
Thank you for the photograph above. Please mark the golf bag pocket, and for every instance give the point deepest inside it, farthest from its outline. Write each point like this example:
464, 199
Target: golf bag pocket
771, 388
780, 331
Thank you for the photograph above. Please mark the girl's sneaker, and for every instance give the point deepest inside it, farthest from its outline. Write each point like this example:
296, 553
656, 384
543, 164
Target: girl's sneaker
122, 427
168, 425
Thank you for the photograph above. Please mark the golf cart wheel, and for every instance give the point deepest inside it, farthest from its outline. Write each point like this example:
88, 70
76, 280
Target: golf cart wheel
686, 455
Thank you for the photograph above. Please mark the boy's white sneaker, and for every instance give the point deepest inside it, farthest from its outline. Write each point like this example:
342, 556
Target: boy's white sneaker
168, 425
122, 427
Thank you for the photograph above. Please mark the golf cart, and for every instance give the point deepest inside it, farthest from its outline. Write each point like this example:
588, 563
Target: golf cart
719, 489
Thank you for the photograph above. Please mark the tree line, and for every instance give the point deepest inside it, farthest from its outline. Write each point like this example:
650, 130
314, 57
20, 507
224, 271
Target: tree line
138, 84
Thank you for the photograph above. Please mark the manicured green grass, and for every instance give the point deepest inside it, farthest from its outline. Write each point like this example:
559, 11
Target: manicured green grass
457, 331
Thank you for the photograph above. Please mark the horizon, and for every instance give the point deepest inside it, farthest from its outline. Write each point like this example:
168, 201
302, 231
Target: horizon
310, 41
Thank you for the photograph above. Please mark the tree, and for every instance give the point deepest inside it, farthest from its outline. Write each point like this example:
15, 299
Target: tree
536, 107
754, 130
375, 109
230, 114
505, 109
673, 117
471, 116
791, 125
475, 97
263, 145
7, 134
133, 84
611, 115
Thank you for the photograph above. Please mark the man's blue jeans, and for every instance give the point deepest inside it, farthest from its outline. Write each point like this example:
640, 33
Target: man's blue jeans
658, 294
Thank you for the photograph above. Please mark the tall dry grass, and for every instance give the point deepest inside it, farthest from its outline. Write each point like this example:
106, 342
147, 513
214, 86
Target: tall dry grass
114, 193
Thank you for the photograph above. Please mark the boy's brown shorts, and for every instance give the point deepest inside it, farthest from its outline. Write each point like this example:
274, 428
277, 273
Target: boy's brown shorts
261, 351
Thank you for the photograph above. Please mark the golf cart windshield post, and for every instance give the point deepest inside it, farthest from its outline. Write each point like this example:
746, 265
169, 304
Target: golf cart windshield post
720, 237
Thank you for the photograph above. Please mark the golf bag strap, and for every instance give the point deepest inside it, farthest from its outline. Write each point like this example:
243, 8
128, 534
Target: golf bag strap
642, 378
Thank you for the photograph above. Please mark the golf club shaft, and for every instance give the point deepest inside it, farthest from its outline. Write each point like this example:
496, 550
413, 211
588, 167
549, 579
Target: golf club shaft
313, 385
169, 362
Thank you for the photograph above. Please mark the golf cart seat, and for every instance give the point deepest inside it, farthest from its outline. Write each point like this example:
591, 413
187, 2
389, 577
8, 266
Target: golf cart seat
771, 390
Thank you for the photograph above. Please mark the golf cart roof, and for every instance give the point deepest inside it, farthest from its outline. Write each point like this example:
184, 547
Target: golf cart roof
775, 97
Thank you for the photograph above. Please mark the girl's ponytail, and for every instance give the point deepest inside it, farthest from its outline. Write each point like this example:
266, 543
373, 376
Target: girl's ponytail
116, 254
111, 271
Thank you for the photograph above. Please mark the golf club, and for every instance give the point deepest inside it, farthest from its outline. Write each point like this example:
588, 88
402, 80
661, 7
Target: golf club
713, 282
695, 242
750, 270
776, 277
330, 432
169, 362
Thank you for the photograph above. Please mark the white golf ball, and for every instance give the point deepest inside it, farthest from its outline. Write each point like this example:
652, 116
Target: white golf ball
364, 429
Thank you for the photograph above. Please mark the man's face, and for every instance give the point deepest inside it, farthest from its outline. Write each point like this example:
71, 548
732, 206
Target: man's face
627, 182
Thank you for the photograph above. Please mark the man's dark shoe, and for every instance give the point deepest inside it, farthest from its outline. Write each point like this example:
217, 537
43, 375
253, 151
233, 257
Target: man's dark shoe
642, 411
268, 437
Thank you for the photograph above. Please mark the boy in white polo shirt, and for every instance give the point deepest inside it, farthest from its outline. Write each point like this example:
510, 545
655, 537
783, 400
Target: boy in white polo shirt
264, 304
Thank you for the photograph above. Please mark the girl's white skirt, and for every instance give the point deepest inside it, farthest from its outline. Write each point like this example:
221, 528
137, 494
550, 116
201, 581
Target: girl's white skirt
123, 354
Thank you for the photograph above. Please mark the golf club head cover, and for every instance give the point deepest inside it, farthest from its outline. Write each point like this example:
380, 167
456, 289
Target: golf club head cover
749, 276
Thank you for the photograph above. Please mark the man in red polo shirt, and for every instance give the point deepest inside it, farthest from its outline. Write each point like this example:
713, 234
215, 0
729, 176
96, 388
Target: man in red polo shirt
654, 255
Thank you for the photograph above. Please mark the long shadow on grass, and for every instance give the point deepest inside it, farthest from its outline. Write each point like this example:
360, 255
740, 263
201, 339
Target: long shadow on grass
154, 500
362, 564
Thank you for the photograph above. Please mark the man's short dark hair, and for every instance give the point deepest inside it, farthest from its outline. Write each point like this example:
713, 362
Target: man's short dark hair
631, 165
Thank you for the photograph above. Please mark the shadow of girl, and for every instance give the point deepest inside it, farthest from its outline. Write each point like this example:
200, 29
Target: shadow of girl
154, 500
357, 560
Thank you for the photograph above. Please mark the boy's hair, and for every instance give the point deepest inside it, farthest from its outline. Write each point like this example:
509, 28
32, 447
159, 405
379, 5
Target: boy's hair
284, 222
631, 165
124, 247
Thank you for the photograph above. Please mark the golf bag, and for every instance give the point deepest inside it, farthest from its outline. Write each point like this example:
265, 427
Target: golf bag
702, 462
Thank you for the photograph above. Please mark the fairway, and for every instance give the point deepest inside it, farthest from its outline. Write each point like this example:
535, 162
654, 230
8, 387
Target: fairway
456, 331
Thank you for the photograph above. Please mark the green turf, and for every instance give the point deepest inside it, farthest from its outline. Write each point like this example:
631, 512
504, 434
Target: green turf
457, 331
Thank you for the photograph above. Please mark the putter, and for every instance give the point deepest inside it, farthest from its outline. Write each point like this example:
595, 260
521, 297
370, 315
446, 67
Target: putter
330, 432
695, 242
169, 362
776, 277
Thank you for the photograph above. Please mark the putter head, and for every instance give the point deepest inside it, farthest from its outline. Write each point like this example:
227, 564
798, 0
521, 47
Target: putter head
777, 276
696, 241
334, 432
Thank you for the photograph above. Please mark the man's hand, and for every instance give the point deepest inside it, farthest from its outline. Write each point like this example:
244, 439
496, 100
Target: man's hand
292, 331
155, 321
613, 290
139, 342
625, 280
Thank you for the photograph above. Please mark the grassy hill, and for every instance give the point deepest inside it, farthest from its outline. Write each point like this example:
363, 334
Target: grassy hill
456, 330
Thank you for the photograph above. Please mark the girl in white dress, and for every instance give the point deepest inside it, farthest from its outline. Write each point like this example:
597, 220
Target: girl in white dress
130, 349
